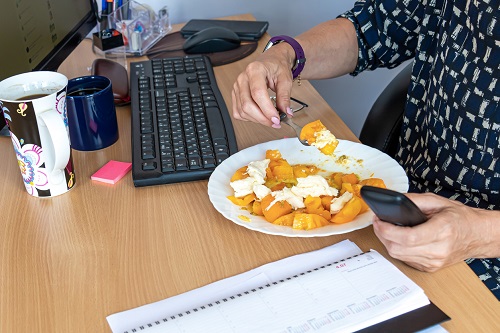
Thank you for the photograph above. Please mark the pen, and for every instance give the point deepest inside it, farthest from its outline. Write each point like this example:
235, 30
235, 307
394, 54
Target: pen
107, 8
103, 18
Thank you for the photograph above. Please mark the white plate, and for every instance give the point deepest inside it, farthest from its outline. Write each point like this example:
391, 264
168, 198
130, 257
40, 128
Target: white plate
360, 159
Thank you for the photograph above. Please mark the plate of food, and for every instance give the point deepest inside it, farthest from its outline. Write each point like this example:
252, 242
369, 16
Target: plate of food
348, 158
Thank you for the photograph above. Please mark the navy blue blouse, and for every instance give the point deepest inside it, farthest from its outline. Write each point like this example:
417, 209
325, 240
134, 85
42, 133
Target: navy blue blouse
450, 140
450, 143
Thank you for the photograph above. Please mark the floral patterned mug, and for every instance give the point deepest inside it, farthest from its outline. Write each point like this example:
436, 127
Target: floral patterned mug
34, 107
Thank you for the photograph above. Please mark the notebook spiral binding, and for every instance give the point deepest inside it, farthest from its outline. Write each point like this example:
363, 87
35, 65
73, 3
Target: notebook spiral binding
224, 300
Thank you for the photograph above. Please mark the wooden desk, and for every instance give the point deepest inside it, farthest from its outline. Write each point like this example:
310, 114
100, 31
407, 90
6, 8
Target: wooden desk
68, 262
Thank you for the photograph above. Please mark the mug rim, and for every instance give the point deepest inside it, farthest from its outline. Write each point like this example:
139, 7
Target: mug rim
83, 81
33, 77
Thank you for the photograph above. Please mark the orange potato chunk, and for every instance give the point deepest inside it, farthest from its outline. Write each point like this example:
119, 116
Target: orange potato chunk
310, 132
273, 155
302, 170
346, 187
304, 221
284, 173
356, 191
257, 208
278, 209
286, 220
245, 201
315, 206
373, 182
350, 178
348, 212
335, 179
241, 173
326, 201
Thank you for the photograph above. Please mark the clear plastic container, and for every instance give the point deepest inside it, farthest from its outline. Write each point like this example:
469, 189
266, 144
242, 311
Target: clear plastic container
140, 26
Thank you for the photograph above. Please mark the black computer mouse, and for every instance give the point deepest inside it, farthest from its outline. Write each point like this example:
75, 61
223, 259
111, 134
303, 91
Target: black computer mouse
213, 39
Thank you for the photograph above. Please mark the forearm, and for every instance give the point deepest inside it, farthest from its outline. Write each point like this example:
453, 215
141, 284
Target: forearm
331, 49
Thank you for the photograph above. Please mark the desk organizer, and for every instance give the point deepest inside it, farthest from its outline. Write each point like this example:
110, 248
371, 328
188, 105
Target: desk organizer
140, 26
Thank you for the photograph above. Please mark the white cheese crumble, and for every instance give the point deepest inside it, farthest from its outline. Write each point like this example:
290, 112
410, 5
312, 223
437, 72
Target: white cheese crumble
287, 195
323, 138
338, 203
314, 186
261, 191
257, 170
257, 173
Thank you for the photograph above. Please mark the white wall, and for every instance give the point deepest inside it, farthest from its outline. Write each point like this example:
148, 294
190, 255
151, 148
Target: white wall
350, 97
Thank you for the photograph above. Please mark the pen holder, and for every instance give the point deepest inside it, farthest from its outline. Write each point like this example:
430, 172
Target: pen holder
140, 26
109, 44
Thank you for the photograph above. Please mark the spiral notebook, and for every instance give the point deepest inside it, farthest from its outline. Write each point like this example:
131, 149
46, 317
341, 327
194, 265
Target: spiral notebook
347, 295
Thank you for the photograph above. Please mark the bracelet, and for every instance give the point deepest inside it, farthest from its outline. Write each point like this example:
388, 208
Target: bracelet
300, 58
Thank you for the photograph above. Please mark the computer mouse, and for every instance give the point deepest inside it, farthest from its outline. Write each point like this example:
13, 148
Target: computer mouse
213, 39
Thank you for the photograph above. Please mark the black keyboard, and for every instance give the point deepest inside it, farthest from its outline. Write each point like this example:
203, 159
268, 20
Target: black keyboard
181, 128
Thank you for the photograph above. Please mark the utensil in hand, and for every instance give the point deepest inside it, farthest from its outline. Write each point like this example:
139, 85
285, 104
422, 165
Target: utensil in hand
286, 120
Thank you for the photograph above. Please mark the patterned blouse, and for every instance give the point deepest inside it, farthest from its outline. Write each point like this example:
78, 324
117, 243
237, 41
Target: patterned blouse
450, 140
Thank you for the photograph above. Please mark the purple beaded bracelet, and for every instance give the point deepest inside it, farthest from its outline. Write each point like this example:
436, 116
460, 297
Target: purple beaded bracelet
299, 52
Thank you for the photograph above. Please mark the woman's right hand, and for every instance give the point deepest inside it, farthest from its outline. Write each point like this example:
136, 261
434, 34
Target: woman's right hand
250, 96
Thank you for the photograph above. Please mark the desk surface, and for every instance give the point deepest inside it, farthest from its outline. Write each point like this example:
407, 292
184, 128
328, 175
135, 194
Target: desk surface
68, 262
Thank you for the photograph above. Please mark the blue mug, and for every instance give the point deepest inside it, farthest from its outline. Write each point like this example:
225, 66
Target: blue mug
91, 113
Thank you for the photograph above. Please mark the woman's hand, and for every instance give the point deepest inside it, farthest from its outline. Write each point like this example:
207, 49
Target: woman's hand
331, 50
454, 232
250, 97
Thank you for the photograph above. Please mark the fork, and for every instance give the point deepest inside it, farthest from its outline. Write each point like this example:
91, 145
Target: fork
286, 120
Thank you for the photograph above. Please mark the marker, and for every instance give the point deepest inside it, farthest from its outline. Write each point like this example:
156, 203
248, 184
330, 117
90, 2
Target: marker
109, 6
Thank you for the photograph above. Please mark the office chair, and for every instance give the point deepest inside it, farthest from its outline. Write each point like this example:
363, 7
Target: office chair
382, 126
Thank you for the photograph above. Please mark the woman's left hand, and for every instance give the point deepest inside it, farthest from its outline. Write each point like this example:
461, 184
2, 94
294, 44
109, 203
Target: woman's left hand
454, 232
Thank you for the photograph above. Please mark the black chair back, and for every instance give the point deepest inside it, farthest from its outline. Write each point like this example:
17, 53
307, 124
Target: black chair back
382, 126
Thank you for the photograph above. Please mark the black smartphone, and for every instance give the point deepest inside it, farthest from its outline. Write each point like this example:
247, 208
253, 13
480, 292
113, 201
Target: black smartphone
392, 206
246, 30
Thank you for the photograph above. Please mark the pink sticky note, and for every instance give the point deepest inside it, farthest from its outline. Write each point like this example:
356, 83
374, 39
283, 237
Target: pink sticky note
112, 172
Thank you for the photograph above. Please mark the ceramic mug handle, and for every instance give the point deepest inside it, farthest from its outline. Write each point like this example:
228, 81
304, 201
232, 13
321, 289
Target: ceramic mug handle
59, 146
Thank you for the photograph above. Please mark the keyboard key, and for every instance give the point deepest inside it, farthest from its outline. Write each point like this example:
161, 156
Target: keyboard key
147, 166
215, 123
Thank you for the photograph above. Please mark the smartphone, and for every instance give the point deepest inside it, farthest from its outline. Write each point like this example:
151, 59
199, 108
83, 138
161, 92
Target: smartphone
246, 30
392, 206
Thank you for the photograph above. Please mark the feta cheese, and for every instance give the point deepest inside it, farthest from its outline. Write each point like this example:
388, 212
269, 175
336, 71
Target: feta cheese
323, 138
313, 185
338, 203
261, 191
257, 170
256, 176
287, 195
243, 187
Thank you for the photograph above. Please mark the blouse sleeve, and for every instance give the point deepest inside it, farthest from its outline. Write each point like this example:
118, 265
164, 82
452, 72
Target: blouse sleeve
387, 31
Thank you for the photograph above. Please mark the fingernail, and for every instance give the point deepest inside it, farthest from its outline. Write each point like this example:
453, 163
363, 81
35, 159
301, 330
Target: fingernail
289, 111
276, 122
